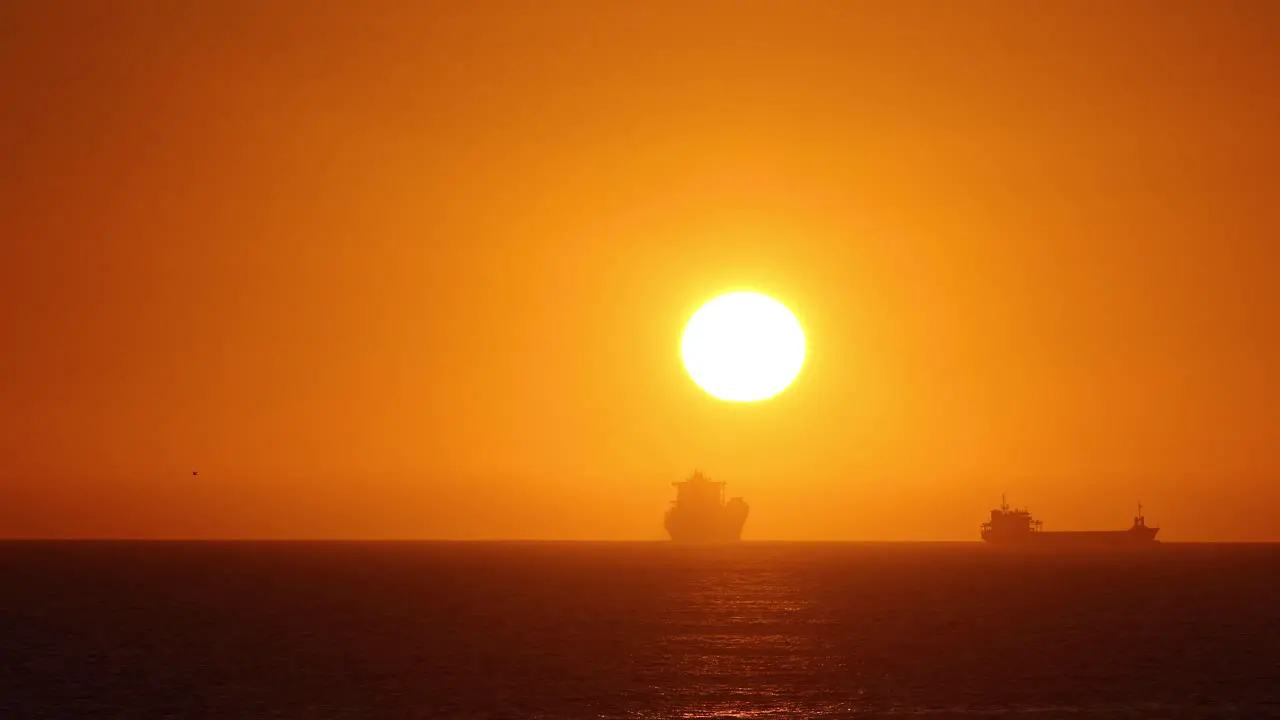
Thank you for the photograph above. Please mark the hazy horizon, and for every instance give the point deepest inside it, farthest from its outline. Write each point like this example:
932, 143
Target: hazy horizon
395, 508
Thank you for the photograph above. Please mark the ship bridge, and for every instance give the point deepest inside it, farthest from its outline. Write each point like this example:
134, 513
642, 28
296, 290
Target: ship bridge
1009, 520
699, 490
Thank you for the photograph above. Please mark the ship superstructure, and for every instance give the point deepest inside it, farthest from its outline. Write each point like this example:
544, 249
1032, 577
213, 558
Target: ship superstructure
700, 512
1017, 527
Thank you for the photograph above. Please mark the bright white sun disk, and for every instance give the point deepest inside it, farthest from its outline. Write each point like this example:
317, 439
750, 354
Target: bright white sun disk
743, 347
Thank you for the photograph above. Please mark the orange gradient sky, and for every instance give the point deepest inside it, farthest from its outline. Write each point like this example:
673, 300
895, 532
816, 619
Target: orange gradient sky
419, 269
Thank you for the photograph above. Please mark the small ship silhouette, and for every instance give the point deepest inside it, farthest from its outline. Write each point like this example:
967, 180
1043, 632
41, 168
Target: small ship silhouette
1008, 526
700, 514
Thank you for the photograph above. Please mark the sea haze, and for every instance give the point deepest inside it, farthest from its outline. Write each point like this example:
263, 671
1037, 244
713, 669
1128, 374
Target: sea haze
635, 630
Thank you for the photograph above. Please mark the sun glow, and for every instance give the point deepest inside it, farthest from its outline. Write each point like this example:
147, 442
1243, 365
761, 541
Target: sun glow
743, 347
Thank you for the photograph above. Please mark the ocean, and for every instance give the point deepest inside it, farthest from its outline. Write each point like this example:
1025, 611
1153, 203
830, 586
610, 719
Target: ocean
547, 630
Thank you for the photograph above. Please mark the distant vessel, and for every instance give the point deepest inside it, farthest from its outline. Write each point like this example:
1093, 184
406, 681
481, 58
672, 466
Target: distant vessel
700, 514
1016, 527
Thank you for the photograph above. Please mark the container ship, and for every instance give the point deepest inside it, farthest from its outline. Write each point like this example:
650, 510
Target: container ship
700, 513
1008, 526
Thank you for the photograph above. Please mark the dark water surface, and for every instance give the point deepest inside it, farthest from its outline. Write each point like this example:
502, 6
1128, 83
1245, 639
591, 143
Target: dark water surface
635, 630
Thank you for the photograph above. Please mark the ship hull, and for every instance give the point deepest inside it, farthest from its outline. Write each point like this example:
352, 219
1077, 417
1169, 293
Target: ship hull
1136, 537
722, 527
702, 537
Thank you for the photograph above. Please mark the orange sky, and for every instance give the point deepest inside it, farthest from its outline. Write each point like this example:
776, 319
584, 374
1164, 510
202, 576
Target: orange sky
420, 270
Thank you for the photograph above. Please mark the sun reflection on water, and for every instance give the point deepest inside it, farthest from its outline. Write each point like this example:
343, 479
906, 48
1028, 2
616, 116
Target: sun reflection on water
737, 638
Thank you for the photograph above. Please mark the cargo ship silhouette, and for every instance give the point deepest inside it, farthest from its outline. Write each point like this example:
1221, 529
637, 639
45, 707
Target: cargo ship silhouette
1016, 527
700, 514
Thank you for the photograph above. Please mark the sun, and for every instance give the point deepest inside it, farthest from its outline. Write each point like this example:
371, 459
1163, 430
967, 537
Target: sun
743, 347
